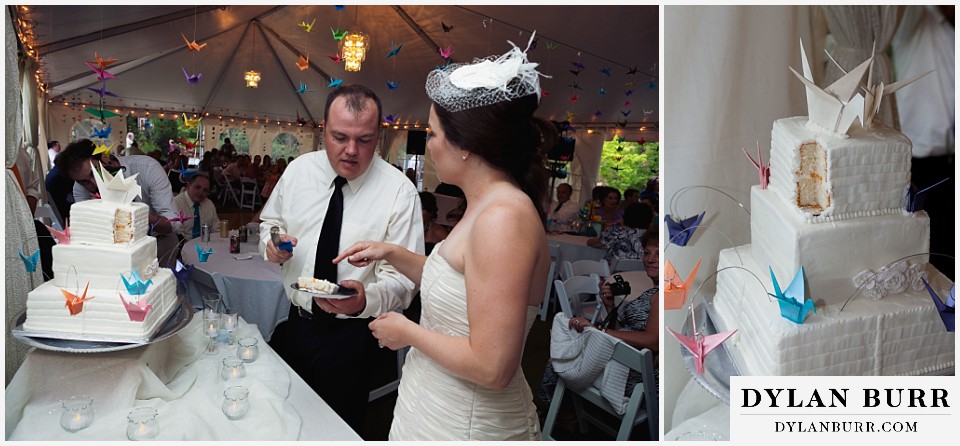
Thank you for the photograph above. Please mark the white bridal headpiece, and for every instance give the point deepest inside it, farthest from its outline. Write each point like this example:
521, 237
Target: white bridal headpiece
485, 81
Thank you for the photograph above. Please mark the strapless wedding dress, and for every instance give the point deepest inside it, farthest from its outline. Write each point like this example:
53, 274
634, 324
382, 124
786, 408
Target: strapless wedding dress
435, 404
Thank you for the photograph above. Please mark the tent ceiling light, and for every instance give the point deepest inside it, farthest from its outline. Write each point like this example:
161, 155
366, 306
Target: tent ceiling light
252, 78
353, 49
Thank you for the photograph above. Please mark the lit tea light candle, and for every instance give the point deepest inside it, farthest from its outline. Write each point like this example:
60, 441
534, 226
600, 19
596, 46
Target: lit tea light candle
77, 413
247, 349
229, 321
235, 402
212, 329
232, 368
142, 424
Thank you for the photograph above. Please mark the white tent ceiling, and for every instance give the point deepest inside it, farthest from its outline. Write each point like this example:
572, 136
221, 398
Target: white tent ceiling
151, 52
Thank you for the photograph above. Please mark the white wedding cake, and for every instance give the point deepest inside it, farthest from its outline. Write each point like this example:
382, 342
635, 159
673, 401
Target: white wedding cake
107, 282
835, 206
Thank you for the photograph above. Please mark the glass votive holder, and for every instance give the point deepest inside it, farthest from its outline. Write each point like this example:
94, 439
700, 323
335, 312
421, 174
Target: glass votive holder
77, 413
247, 349
235, 402
142, 424
232, 368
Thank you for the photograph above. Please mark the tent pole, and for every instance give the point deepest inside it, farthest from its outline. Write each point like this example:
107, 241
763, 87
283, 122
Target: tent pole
277, 57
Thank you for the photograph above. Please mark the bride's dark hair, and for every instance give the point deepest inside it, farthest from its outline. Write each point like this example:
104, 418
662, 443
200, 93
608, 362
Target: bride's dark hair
510, 138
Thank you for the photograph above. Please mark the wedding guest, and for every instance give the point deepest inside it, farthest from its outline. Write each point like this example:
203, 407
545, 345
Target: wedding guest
53, 149
194, 201
323, 202
610, 211
623, 241
462, 378
563, 209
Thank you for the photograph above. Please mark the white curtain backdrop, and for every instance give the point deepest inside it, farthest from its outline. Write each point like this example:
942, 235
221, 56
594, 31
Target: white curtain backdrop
725, 80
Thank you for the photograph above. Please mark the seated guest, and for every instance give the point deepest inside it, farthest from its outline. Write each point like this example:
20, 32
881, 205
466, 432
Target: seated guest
433, 232
235, 170
630, 196
193, 201
253, 169
564, 209
623, 241
610, 212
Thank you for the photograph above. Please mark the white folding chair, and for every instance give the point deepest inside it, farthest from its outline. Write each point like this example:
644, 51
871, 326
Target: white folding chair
227, 191
249, 191
621, 264
574, 292
584, 267
551, 276
644, 393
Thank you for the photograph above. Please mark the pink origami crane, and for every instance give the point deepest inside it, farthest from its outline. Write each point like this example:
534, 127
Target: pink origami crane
446, 53
63, 237
675, 290
75, 303
101, 73
758, 163
138, 310
699, 344
181, 216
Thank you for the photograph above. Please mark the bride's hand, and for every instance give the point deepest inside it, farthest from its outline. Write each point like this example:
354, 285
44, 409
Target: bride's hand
389, 329
362, 254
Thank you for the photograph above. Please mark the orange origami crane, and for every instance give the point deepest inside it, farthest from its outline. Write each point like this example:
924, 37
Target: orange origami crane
303, 62
193, 46
675, 291
101, 62
74, 303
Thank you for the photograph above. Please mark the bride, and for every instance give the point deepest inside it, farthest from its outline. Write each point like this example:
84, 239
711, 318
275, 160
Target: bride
481, 287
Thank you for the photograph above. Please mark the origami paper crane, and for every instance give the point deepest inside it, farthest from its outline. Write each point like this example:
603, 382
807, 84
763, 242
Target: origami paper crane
632, 71
575, 72
101, 91
100, 148
101, 62
203, 254
307, 27
115, 189
551, 46
192, 78
836, 106
577, 64
606, 70
181, 272
391, 118
627, 92
626, 113
190, 123
597, 113
392, 85
647, 112
336, 58
675, 290
681, 231
339, 7
304, 62
627, 103
338, 34
193, 45
543, 93
187, 173
629, 85
135, 285
651, 85
100, 113
63, 237
74, 302
758, 163
700, 345
334, 83
602, 91
571, 116
303, 88
948, 309
136, 310
181, 216
445, 65
916, 199
574, 98
790, 300
446, 53
394, 49
102, 133
101, 73
446, 28
30, 262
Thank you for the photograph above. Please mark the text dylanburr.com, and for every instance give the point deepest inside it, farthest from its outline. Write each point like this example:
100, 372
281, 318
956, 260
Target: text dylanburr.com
812, 409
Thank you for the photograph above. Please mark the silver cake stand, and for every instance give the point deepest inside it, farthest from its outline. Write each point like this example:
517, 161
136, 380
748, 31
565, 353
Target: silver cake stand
719, 364
55, 341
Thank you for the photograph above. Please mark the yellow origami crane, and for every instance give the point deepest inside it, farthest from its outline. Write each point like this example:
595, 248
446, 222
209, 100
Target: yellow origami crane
675, 291
307, 27
102, 149
190, 123
303, 62
101, 62
75, 303
193, 46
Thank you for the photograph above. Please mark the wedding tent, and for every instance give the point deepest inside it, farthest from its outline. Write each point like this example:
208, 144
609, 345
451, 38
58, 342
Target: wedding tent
601, 62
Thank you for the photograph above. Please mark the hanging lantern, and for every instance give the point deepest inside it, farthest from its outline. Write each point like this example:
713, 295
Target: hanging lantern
353, 48
252, 78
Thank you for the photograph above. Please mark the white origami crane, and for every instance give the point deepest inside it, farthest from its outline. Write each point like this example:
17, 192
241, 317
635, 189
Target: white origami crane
115, 189
835, 107
875, 93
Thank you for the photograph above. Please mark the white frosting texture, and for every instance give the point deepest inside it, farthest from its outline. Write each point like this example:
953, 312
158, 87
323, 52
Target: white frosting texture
93, 222
898, 335
866, 173
101, 264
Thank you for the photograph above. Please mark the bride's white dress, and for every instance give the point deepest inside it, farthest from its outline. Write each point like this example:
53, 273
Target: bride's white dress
435, 404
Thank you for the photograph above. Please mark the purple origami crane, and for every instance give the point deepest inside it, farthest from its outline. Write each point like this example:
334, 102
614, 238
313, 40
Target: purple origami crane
682, 230
948, 309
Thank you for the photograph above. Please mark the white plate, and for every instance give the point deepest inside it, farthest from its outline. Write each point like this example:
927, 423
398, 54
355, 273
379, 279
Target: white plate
342, 292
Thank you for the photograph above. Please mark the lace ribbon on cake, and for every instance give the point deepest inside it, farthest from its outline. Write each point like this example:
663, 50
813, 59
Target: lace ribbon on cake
891, 279
151, 269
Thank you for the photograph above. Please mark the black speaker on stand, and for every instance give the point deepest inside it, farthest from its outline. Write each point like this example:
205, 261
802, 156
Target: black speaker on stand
561, 154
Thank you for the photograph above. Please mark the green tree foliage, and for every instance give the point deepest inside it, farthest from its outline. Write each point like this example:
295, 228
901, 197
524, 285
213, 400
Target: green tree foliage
627, 164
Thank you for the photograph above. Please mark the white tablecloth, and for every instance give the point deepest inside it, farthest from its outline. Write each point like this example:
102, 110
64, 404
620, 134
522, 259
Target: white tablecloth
252, 286
180, 381
574, 247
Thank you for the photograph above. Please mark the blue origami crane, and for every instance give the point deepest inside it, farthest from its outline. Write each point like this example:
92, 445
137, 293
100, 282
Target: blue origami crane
136, 285
948, 309
681, 231
30, 262
606, 70
392, 85
303, 88
102, 133
182, 273
395, 50
916, 198
203, 254
187, 173
790, 306
334, 83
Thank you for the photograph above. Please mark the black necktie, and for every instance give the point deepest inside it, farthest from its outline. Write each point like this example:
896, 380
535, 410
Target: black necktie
557, 209
328, 246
